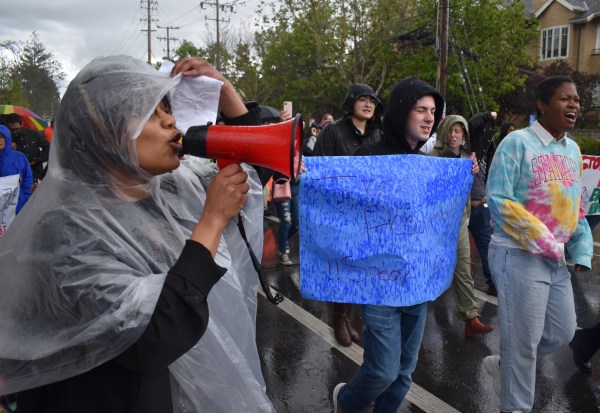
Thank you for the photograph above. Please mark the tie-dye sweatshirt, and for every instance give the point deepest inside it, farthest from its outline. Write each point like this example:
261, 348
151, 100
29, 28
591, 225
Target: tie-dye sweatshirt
534, 194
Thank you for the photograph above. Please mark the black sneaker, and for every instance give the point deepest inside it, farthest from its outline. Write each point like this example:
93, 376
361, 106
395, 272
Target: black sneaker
584, 366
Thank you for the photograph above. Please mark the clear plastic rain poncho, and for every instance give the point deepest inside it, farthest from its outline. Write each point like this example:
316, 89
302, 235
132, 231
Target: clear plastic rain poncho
83, 264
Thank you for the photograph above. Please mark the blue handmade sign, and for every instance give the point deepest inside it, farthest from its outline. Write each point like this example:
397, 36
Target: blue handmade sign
380, 229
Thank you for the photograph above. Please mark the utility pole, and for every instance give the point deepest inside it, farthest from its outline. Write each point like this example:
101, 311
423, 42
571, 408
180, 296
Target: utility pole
224, 7
151, 5
443, 23
168, 38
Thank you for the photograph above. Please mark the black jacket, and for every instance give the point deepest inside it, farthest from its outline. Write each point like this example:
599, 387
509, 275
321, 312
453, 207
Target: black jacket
35, 146
481, 132
341, 138
401, 101
138, 380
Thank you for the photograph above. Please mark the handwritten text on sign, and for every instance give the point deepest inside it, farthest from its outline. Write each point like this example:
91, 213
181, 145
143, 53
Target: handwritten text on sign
9, 196
590, 185
382, 229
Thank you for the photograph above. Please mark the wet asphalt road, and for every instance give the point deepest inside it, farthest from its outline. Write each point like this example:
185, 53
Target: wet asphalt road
302, 363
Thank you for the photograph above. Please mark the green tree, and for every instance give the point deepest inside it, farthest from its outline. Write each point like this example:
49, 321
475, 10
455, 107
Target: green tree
39, 72
246, 75
11, 90
185, 49
487, 44
237, 62
311, 51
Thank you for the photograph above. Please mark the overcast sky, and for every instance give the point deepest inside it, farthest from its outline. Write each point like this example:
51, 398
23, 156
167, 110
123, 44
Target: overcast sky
76, 31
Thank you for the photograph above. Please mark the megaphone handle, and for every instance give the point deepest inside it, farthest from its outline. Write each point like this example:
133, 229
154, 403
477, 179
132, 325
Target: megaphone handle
263, 283
222, 163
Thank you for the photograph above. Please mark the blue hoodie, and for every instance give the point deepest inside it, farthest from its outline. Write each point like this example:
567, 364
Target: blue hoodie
13, 163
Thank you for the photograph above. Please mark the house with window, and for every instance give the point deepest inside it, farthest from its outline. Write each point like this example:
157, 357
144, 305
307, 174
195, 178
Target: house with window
569, 31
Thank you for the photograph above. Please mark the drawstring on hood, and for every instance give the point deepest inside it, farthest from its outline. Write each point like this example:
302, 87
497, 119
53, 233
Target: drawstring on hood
401, 101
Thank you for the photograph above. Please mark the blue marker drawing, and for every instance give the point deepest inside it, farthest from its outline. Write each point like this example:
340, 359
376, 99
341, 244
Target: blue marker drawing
380, 229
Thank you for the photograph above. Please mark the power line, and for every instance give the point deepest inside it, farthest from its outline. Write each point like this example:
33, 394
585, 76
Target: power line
183, 15
125, 35
168, 38
224, 7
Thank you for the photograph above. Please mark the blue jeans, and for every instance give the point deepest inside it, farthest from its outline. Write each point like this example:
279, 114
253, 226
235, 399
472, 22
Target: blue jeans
391, 341
479, 226
287, 212
536, 313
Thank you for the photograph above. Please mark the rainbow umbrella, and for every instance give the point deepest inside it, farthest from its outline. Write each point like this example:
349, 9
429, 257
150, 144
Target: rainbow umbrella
30, 119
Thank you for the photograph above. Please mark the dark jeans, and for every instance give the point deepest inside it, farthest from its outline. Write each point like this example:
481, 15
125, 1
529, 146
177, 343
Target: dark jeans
287, 212
391, 338
479, 226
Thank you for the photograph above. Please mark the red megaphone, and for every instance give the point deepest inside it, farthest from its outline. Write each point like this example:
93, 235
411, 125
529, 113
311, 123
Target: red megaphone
276, 146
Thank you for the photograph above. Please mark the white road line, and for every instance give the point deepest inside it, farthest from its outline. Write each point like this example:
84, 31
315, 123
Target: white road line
416, 395
596, 244
485, 297
272, 218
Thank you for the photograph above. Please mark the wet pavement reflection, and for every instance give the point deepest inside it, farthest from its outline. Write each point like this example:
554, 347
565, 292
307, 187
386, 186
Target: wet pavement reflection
302, 363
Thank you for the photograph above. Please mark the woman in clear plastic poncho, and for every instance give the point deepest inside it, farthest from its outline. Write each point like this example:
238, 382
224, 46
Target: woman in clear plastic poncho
105, 273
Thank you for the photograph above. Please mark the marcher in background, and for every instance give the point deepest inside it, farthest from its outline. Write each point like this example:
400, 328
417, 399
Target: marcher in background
392, 335
453, 142
33, 144
15, 163
105, 307
287, 213
481, 136
309, 145
505, 128
48, 131
536, 210
360, 125
326, 120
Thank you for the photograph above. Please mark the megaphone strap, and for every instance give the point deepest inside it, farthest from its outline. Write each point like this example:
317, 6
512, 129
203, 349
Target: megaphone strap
263, 283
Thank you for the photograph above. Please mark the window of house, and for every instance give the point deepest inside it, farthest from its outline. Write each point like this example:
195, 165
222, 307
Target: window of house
555, 43
596, 96
597, 50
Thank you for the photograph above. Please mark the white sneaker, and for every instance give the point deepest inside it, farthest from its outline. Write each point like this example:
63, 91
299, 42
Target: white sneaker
335, 395
284, 259
492, 366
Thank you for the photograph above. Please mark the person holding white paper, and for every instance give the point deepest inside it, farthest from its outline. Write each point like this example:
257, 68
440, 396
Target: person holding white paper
125, 249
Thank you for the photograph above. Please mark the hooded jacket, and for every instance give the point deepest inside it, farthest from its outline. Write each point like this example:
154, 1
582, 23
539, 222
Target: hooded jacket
341, 137
441, 149
13, 163
401, 101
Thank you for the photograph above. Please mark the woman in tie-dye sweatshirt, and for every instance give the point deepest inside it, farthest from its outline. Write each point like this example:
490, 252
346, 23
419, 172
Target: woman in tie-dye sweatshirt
534, 192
